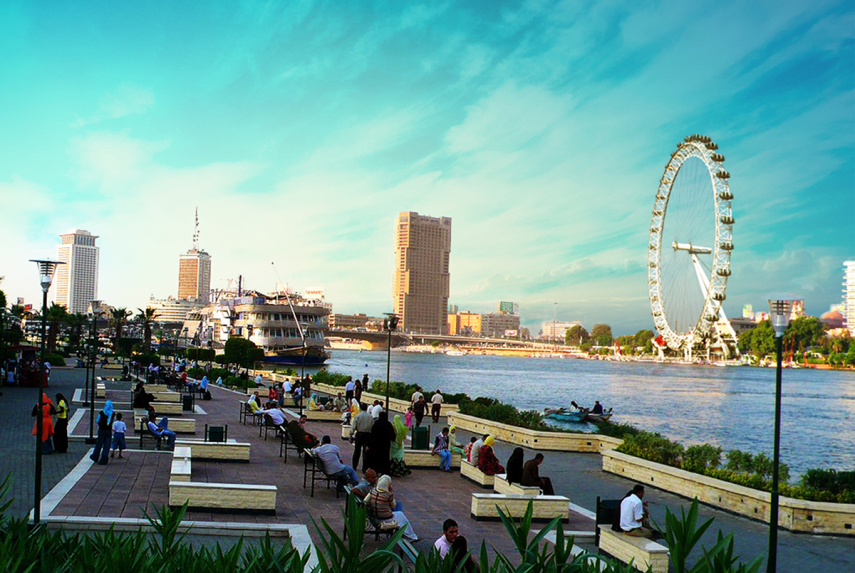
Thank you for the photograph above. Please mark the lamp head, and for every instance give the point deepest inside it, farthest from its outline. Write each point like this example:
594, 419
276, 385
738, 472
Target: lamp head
780, 309
46, 270
391, 323
94, 307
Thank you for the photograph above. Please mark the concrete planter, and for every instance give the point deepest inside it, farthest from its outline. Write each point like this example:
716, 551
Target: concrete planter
395, 404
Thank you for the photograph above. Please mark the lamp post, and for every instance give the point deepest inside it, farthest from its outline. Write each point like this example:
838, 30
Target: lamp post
779, 313
46, 271
95, 309
389, 324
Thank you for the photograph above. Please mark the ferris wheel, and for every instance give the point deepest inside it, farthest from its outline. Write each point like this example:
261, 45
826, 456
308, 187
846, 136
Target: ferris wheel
691, 239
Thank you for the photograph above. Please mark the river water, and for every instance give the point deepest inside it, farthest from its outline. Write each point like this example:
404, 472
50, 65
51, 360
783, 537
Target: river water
730, 407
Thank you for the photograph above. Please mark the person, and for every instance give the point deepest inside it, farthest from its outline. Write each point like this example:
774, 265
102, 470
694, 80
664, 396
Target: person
487, 460
598, 408
162, 430
408, 418
459, 552
435, 406
276, 418
254, 403
348, 389
415, 397
453, 445
634, 517
300, 437
259, 380
142, 399
48, 410
531, 475
376, 409
119, 429
398, 467
360, 432
339, 403
468, 451
307, 385
380, 504
365, 382
476, 450
450, 532
419, 409
358, 388
514, 469
60, 430
366, 484
440, 448
380, 444
273, 394
219, 381
330, 456
287, 387
102, 443
314, 403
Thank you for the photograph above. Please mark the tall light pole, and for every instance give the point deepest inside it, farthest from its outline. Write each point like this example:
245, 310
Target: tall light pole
779, 313
46, 271
389, 324
554, 317
95, 309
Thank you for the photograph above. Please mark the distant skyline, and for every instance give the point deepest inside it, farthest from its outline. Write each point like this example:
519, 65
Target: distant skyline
301, 129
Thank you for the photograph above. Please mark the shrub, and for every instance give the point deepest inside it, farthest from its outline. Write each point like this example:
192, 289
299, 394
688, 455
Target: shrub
616, 430
196, 372
146, 359
653, 447
492, 409
331, 378
701, 458
287, 371
55, 359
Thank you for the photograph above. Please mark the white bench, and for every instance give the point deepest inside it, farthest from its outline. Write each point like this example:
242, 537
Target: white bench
426, 459
473, 474
164, 396
180, 470
223, 496
177, 425
643, 552
485, 506
322, 415
100, 390
223, 451
502, 485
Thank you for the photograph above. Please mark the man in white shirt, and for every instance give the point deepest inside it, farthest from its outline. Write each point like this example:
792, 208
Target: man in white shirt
416, 397
634, 516
349, 389
330, 457
476, 449
277, 417
435, 406
376, 409
449, 534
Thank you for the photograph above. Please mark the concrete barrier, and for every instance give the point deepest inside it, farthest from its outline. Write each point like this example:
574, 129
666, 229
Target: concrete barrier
223, 496
485, 506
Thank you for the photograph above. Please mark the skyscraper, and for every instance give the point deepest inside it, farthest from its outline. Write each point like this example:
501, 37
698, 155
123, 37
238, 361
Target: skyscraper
77, 279
194, 271
849, 296
420, 289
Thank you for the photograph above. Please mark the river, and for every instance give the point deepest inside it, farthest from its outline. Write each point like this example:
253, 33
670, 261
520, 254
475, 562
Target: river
730, 407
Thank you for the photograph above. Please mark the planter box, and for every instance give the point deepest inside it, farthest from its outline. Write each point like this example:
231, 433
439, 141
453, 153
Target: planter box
644, 553
424, 459
165, 395
223, 496
556, 441
545, 507
794, 514
395, 405
475, 475
322, 415
224, 451
502, 485
152, 388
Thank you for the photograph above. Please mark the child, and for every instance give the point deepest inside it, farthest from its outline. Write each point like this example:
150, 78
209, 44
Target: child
119, 429
468, 451
408, 419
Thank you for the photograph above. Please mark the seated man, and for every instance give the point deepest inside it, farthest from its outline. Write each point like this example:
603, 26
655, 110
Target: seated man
531, 476
634, 517
366, 484
598, 408
339, 403
300, 437
330, 457
162, 430
276, 418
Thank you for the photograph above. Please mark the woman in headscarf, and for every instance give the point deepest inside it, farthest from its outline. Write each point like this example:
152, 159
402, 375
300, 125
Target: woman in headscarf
380, 504
48, 409
314, 403
487, 460
105, 434
60, 430
380, 444
515, 466
397, 466
454, 446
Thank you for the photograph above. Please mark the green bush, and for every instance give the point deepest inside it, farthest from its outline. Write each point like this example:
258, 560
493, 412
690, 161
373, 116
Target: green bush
55, 359
701, 458
196, 372
331, 378
286, 371
653, 447
492, 409
146, 359
616, 430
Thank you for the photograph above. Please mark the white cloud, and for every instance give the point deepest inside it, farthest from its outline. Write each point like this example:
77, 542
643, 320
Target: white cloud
125, 100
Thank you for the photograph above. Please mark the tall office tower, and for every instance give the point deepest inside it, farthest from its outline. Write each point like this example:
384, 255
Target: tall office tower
194, 271
420, 290
77, 279
849, 296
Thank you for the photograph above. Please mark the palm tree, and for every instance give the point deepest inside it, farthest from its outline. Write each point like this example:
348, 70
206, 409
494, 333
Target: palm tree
118, 317
77, 322
56, 316
146, 319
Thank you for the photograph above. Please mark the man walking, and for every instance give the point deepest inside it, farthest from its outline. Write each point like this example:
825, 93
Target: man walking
435, 406
360, 432
348, 391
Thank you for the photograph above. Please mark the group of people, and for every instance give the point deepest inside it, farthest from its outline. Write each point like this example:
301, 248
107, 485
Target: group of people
479, 452
54, 435
419, 407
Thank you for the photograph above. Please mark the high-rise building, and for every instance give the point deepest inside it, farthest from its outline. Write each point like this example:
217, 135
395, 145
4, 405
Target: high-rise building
420, 289
849, 296
194, 272
557, 329
77, 279
500, 325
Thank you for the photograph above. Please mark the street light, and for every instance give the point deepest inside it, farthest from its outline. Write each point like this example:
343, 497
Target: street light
389, 324
46, 270
780, 310
95, 309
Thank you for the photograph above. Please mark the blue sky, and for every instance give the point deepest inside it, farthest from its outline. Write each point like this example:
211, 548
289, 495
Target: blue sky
300, 130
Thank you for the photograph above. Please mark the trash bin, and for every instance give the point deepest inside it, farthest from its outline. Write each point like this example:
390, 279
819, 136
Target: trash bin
421, 439
188, 402
216, 433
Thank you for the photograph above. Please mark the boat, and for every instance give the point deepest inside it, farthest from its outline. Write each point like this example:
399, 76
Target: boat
598, 418
566, 416
454, 352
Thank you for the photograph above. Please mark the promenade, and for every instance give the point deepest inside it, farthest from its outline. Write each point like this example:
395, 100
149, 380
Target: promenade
124, 488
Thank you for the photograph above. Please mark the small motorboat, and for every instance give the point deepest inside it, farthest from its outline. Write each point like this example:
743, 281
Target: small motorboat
564, 415
598, 418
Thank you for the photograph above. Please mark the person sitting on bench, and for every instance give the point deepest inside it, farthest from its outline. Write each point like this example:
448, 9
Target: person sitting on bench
276, 418
380, 504
330, 456
531, 475
300, 437
162, 430
634, 517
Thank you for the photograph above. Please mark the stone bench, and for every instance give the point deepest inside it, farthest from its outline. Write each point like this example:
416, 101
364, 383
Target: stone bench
425, 459
161, 409
100, 390
643, 553
502, 485
322, 415
180, 470
177, 425
263, 391
485, 506
473, 474
228, 497
165, 396
222, 451
152, 388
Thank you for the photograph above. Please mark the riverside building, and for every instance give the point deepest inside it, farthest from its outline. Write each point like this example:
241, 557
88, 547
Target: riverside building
849, 296
194, 272
421, 282
77, 280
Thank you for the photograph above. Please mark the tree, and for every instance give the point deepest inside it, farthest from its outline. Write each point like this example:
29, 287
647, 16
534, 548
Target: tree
576, 334
117, 318
642, 337
146, 319
56, 316
805, 332
76, 323
602, 334
242, 352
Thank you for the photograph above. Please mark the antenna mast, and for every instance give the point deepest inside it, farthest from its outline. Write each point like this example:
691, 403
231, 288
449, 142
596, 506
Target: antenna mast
196, 232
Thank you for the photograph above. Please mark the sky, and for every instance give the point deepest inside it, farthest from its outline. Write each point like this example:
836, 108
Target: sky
301, 129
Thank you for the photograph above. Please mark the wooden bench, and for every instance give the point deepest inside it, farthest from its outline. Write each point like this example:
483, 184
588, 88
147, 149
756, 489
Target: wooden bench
643, 553
313, 470
229, 497
372, 527
222, 451
473, 474
426, 459
322, 415
180, 470
165, 396
502, 485
485, 506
